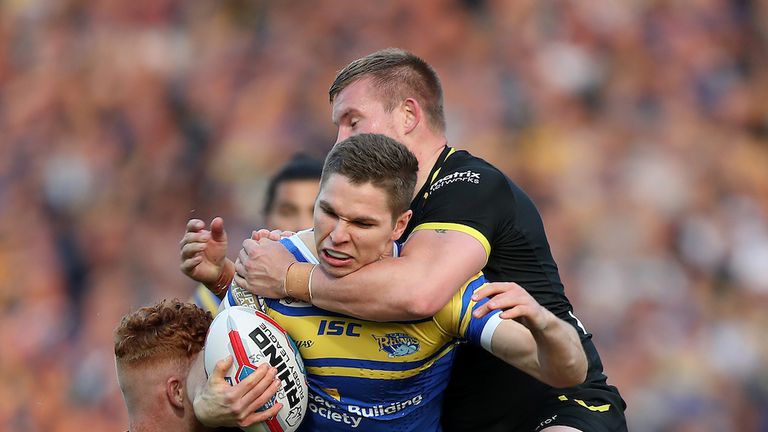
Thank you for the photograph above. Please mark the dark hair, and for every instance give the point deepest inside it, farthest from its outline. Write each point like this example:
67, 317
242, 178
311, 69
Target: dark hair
169, 330
376, 159
300, 167
397, 75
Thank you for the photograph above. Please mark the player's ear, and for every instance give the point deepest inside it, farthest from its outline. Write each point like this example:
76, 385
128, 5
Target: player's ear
412, 115
400, 224
174, 391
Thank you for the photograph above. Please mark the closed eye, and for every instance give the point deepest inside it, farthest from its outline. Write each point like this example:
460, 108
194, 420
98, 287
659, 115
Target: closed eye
327, 210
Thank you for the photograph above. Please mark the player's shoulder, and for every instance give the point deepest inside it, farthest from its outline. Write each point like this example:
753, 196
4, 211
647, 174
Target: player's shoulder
458, 159
461, 168
302, 246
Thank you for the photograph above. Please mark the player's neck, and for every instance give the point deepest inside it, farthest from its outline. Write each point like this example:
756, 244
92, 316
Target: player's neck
308, 238
427, 159
164, 425
162, 419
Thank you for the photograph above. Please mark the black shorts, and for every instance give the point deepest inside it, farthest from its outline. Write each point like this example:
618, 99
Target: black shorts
589, 410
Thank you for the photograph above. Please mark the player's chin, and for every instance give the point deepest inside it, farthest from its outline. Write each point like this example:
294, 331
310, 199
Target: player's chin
338, 271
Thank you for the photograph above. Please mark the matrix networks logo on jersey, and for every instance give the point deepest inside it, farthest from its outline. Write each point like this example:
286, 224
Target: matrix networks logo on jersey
463, 176
397, 344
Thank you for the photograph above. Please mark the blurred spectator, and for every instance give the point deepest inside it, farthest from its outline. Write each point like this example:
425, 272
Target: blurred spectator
640, 129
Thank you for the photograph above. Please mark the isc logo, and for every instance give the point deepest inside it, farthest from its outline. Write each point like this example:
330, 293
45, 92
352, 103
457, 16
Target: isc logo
338, 328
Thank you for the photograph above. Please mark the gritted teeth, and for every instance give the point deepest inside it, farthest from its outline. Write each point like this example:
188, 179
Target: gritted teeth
337, 255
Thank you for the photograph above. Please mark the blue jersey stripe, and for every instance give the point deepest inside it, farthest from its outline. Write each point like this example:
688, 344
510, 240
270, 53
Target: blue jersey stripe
374, 364
432, 378
293, 249
298, 311
231, 298
466, 298
475, 329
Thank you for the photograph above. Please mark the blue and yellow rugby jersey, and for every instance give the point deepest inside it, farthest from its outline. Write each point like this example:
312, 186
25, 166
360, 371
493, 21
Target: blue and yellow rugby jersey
205, 299
372, 376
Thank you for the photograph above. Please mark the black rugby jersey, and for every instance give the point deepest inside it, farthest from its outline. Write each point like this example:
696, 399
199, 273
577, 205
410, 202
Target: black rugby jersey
465, 193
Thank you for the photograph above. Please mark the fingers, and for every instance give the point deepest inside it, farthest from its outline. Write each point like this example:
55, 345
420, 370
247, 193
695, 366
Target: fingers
515, 312
274, 235
514, 302
189, 264
512, 307
240, 271
263, 234
492, 290
221, 368
261, 415
486, 290
195, 225
259, 234
242, 257
201, 236
495, 288
277, 234
501, 296
217, 230
263, 390
189, 250
481, 311
249, 246
254, 392
191, 255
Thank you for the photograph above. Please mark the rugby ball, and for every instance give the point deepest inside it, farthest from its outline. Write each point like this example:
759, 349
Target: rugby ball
252, 339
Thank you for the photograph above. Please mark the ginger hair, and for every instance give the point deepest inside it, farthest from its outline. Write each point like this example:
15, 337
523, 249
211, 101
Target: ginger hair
169, 330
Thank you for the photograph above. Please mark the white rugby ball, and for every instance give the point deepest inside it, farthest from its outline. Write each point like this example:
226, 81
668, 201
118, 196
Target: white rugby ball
253, 338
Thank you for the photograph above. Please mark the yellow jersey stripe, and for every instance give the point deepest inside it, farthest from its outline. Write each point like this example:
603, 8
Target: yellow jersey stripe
355, 372
207, 300
461, 228
597, 408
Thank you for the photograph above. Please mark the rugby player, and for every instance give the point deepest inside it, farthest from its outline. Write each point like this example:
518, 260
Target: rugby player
373, 376
155, 348
467, 217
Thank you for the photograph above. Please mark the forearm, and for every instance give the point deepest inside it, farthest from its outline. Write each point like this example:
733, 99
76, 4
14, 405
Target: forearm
561, 357
393, 289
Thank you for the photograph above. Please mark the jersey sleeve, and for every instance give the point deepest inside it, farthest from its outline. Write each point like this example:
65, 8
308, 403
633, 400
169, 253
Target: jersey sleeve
456, 317
471, 199
205, 299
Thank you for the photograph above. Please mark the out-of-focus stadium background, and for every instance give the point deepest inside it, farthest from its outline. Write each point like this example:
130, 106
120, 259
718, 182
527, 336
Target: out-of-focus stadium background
640, 128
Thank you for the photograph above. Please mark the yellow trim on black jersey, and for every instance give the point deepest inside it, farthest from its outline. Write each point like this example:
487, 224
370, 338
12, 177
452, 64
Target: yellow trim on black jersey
437, 171
594, 408
460, 228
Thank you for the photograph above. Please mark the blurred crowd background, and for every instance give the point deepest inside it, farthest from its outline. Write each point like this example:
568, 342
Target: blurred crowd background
639, 128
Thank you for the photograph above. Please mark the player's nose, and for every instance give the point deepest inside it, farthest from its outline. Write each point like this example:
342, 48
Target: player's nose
340, 233
343, 134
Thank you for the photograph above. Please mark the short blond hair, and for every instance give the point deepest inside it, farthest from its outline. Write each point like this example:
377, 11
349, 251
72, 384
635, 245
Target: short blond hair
396, 75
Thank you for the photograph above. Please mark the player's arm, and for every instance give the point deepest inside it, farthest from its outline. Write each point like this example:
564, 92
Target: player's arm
530, 337
432, 266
